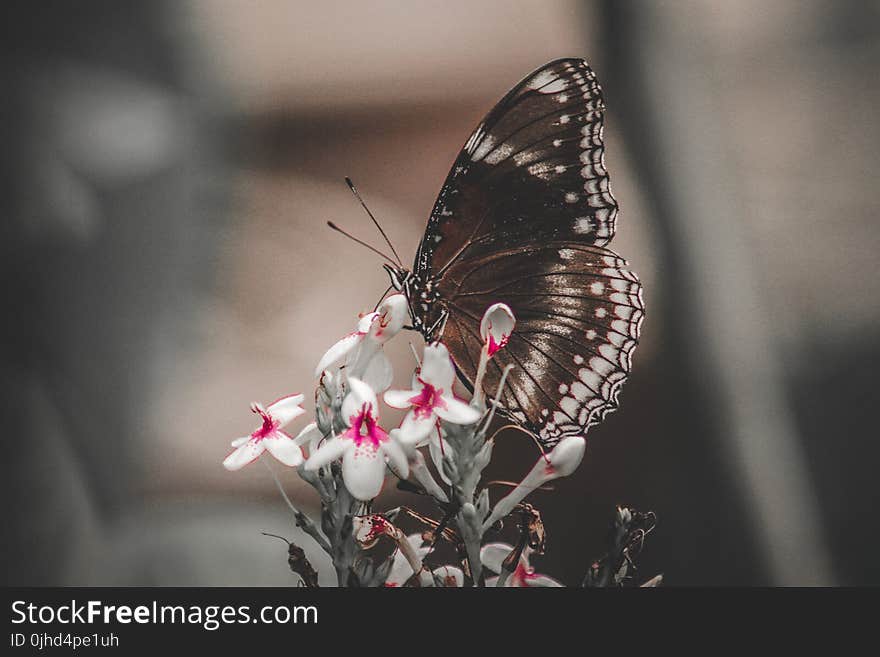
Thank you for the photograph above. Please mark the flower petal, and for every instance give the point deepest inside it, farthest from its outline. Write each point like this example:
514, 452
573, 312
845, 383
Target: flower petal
566, 456
360, 394
283, 448
414, 428
393, 313
286, 409
330, 451
396, 458
400, 568
541, 580
450, 576
238, 442
437, 367
456, 411
493, 555
400, 398
307, 434
246, 453
310, 435
378, 373
365, 323
338, 351
363, 470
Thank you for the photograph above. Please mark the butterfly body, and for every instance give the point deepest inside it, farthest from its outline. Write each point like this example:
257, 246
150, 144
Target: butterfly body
524, 218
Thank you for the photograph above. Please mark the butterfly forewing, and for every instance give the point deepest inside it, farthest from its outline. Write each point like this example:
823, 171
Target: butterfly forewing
523, 218
579, 311
532, 170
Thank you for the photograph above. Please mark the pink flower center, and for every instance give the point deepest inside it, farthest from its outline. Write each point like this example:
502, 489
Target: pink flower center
384, 321
427, 400
494, 347
364, 428
522, 575
269, 425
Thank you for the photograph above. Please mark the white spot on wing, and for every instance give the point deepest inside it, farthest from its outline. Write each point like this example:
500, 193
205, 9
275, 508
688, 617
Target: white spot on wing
547, 83
569, 406
483, 149
498, 154
582, 225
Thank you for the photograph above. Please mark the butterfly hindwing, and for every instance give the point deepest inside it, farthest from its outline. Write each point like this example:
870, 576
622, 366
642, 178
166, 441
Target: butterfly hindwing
579, 312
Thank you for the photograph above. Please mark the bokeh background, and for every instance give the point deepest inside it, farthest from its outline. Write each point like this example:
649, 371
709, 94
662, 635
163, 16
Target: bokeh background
168, 168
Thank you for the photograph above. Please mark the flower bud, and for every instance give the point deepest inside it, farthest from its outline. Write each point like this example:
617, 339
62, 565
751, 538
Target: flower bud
496, 327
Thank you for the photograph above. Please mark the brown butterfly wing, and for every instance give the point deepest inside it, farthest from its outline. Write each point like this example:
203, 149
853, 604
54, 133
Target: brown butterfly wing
523, 218
579, 311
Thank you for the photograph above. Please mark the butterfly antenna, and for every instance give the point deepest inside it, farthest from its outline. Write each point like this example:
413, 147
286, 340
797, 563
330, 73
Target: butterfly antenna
387, 290
367, 210
522, 430
275, 536
362, 243
415, 354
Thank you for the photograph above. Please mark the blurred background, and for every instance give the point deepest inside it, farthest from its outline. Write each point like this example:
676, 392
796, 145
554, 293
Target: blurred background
168, 170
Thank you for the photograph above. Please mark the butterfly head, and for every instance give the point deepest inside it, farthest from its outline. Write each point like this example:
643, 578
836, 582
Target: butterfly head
399, 277
428, 317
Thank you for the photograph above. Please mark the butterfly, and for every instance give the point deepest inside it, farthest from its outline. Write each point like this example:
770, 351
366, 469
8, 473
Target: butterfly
524, 218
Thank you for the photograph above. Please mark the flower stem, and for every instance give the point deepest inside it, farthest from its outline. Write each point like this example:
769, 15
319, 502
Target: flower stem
301, 519
477, 399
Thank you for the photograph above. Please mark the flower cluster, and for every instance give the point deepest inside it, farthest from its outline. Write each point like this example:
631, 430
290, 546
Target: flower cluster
347, 455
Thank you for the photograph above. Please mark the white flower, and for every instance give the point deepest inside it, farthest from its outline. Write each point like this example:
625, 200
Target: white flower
401, 571
269, 435
311, 436
493, 555
363, 447
431, 397
496, 326
561, 461
362, 351
450, 576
